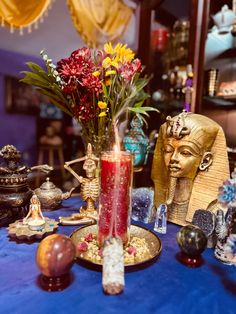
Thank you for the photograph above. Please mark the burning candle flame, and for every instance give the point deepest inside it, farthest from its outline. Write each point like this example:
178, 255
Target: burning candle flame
116, 152
116, 149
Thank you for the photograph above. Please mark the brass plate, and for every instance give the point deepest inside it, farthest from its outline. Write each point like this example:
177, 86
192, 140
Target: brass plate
152, 240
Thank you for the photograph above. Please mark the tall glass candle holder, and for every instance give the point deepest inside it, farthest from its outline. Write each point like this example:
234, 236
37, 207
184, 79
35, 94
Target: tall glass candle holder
115, 195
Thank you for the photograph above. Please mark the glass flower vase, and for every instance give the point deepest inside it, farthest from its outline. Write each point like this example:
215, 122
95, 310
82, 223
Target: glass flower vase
116, 176
100, 143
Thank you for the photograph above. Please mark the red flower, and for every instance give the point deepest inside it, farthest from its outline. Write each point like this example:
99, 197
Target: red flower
84, 111
79, 64
82, 247
129, 69
132, 250
69, 70
89, 237
137, 66
69, 88
92, 83
82, 53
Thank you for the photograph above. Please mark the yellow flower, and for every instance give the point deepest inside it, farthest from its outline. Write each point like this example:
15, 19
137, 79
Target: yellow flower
114, 63
110, 72
117, 47
123, 54
102, 104
107, 62
96, 73
102, 114
108, 48
108, 82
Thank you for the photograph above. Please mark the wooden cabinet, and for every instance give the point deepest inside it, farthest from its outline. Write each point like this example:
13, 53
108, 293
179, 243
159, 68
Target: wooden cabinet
221, 54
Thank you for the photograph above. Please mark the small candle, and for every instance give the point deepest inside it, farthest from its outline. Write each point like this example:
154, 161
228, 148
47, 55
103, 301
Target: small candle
115, 195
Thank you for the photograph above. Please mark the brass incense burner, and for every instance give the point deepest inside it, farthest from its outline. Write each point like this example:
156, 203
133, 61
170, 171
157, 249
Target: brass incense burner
15, 192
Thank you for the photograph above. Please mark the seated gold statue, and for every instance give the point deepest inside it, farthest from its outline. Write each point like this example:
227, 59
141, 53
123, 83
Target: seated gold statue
190, 163
35, 213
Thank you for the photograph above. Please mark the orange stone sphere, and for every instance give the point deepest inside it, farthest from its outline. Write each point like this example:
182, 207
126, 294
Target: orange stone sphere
55, 255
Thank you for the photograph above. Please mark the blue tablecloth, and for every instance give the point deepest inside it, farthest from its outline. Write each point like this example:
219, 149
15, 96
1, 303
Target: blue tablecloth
166, 286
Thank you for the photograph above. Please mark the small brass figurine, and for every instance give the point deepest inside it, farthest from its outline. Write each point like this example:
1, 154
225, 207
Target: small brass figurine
90, 184
34, 226
190, 162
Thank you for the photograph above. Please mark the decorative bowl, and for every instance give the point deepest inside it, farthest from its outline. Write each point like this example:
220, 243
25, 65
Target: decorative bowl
36, 225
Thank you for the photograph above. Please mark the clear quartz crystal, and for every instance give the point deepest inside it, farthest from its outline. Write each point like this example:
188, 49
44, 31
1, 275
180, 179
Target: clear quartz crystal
161, 219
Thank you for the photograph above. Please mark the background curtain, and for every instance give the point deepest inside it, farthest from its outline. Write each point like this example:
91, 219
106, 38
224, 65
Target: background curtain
99, 21
22, 13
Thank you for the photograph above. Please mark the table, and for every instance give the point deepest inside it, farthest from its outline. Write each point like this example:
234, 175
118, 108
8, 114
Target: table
167, 286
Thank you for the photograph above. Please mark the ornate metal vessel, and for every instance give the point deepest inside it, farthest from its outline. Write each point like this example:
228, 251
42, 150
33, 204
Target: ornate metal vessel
137, 142
50, 196
15, 192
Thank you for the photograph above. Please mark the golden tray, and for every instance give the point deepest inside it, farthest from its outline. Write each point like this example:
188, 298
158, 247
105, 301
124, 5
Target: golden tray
152, 240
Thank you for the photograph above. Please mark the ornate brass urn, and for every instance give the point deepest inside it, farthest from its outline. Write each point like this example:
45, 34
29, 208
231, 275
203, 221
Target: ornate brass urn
15, 192
51, 196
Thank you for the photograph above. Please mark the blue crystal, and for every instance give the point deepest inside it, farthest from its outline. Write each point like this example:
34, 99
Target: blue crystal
161, 219
142, 204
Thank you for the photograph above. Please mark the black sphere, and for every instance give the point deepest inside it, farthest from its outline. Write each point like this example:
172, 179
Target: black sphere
192, 240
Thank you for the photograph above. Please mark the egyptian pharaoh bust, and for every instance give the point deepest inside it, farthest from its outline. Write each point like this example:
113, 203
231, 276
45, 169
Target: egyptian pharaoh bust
190, 162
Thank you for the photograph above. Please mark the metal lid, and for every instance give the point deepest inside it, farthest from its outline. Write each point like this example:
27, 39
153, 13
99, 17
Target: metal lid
48, 185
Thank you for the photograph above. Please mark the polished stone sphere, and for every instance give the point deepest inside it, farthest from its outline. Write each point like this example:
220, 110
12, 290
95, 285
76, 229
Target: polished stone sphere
192, 240
55, 255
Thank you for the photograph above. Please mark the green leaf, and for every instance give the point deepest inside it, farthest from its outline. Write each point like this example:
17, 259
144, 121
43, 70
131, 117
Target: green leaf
55, 101
36, 68
139, 110
138, 104
104, 89
34, 82
56, 89
36, 79
140, 84
150, 109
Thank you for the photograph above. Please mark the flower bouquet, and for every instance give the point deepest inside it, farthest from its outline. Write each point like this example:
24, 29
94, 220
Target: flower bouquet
97, 88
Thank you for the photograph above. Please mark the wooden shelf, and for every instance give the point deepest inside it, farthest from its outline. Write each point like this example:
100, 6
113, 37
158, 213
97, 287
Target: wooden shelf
218, 101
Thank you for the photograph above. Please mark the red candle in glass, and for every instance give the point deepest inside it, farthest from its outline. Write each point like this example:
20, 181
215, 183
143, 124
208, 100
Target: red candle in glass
115, 195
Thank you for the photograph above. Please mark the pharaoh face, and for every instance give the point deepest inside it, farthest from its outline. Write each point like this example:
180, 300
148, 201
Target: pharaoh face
182, 158
187, 145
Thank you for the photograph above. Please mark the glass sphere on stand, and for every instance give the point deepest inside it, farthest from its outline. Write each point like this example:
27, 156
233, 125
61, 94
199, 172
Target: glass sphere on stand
192, 242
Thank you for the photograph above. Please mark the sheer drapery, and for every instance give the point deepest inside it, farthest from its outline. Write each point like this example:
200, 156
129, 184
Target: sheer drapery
99, 21
20, 14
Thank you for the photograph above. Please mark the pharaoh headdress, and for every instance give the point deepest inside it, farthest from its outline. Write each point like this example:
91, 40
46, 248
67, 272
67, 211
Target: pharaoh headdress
209, 136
